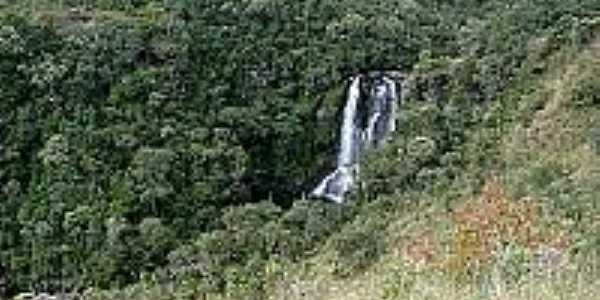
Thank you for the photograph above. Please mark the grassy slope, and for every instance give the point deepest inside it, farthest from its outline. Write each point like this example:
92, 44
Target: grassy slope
548, 163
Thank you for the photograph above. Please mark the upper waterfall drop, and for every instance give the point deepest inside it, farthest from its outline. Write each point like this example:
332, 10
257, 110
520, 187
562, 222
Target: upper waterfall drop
349, 139
367, 119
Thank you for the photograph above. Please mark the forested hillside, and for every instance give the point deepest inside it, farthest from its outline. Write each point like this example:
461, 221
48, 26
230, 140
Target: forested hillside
163, 149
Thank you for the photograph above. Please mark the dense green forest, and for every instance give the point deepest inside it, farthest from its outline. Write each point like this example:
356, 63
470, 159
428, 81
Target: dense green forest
163, 149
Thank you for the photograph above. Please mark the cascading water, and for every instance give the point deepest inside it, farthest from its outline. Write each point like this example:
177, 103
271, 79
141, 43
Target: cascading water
366, 122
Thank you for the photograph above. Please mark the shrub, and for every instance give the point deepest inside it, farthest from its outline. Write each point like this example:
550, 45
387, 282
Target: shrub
224, 257
300, 230
587, 91
359, 245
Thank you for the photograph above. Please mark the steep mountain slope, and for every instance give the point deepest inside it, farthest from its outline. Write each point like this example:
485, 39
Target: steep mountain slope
513, 212
530, 232
157, 149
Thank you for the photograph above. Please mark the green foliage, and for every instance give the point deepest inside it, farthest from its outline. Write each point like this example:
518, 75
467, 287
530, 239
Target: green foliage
234, 260
425, 154
227, 256
359, 245
587, 92
144, 137
303, 227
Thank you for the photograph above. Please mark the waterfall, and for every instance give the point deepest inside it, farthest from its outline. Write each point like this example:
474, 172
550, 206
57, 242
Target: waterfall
367, 119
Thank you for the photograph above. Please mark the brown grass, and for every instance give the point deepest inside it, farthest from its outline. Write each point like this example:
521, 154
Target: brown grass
485, 225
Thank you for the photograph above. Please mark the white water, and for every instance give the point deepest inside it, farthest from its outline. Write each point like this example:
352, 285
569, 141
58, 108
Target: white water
394, 103
338, 183
348, 138
380, 110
